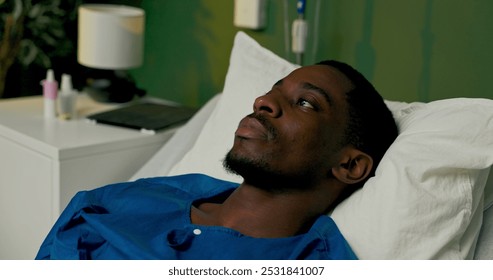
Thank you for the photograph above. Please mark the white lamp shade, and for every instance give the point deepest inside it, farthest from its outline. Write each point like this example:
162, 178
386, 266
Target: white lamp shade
110, 36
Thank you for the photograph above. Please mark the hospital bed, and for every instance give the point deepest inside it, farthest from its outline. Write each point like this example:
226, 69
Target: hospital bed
430, 197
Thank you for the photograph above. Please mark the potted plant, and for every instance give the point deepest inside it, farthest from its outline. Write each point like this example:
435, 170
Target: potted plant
34, 33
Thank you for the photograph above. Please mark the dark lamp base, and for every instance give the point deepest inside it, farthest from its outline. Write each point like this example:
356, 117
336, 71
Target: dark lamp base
112, 87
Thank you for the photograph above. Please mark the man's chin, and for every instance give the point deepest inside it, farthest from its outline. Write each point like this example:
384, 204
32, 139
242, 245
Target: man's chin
259, 175
237, 165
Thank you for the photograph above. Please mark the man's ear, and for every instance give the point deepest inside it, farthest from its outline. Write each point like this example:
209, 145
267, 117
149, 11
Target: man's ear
354, 166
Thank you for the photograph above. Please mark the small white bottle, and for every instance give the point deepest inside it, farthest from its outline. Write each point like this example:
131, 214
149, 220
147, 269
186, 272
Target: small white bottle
67, 98
50, 92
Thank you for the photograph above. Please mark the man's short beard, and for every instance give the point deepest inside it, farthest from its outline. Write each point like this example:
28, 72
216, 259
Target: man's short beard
258, 173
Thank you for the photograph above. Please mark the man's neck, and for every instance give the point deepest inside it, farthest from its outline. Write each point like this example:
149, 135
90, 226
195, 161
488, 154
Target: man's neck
259, 213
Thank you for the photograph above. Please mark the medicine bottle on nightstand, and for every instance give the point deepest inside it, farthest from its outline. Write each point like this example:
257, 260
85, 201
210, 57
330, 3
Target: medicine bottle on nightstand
67, 98
50, 92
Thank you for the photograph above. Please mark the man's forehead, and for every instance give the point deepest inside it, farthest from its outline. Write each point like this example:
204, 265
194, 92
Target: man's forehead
323, 76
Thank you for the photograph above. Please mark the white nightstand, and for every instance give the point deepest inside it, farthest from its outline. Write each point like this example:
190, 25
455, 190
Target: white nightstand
44, 163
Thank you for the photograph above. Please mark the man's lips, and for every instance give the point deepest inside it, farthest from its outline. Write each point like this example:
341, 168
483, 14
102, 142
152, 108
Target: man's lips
251, 128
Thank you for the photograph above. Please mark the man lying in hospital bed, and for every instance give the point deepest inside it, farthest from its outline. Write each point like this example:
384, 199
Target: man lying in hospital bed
101, 224
314, 138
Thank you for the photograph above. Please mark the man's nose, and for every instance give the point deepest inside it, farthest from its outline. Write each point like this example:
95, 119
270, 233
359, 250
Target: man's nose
267, 104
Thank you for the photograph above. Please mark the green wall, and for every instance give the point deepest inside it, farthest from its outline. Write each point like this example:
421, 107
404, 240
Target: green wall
418, 50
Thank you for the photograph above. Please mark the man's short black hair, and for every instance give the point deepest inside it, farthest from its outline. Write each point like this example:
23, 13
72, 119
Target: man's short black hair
371, 127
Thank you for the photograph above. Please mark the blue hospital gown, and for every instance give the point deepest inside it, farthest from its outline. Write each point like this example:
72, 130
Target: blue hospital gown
150, 219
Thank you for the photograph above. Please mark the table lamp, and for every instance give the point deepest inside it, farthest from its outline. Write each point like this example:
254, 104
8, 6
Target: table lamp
110, 41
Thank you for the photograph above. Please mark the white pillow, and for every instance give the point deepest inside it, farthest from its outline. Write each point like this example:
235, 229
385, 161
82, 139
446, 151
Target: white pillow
425, 201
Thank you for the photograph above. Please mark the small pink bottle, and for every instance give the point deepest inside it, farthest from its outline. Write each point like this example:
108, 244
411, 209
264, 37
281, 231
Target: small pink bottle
50, 92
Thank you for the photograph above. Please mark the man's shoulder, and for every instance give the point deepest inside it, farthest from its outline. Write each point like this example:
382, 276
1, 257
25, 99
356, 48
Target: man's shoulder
336, 245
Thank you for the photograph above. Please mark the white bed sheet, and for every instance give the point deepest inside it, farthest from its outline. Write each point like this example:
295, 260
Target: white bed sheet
184, 138
484, 247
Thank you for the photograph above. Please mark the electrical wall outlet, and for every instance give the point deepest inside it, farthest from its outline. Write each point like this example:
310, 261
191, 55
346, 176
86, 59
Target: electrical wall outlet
250, 14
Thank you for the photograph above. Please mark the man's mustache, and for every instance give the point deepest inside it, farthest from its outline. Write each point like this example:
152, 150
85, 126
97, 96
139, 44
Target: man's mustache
271, 130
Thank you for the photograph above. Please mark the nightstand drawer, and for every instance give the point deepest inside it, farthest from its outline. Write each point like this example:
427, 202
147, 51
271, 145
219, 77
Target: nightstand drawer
43, 163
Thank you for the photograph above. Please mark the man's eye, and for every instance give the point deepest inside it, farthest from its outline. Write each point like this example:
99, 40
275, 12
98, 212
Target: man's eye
304, 103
